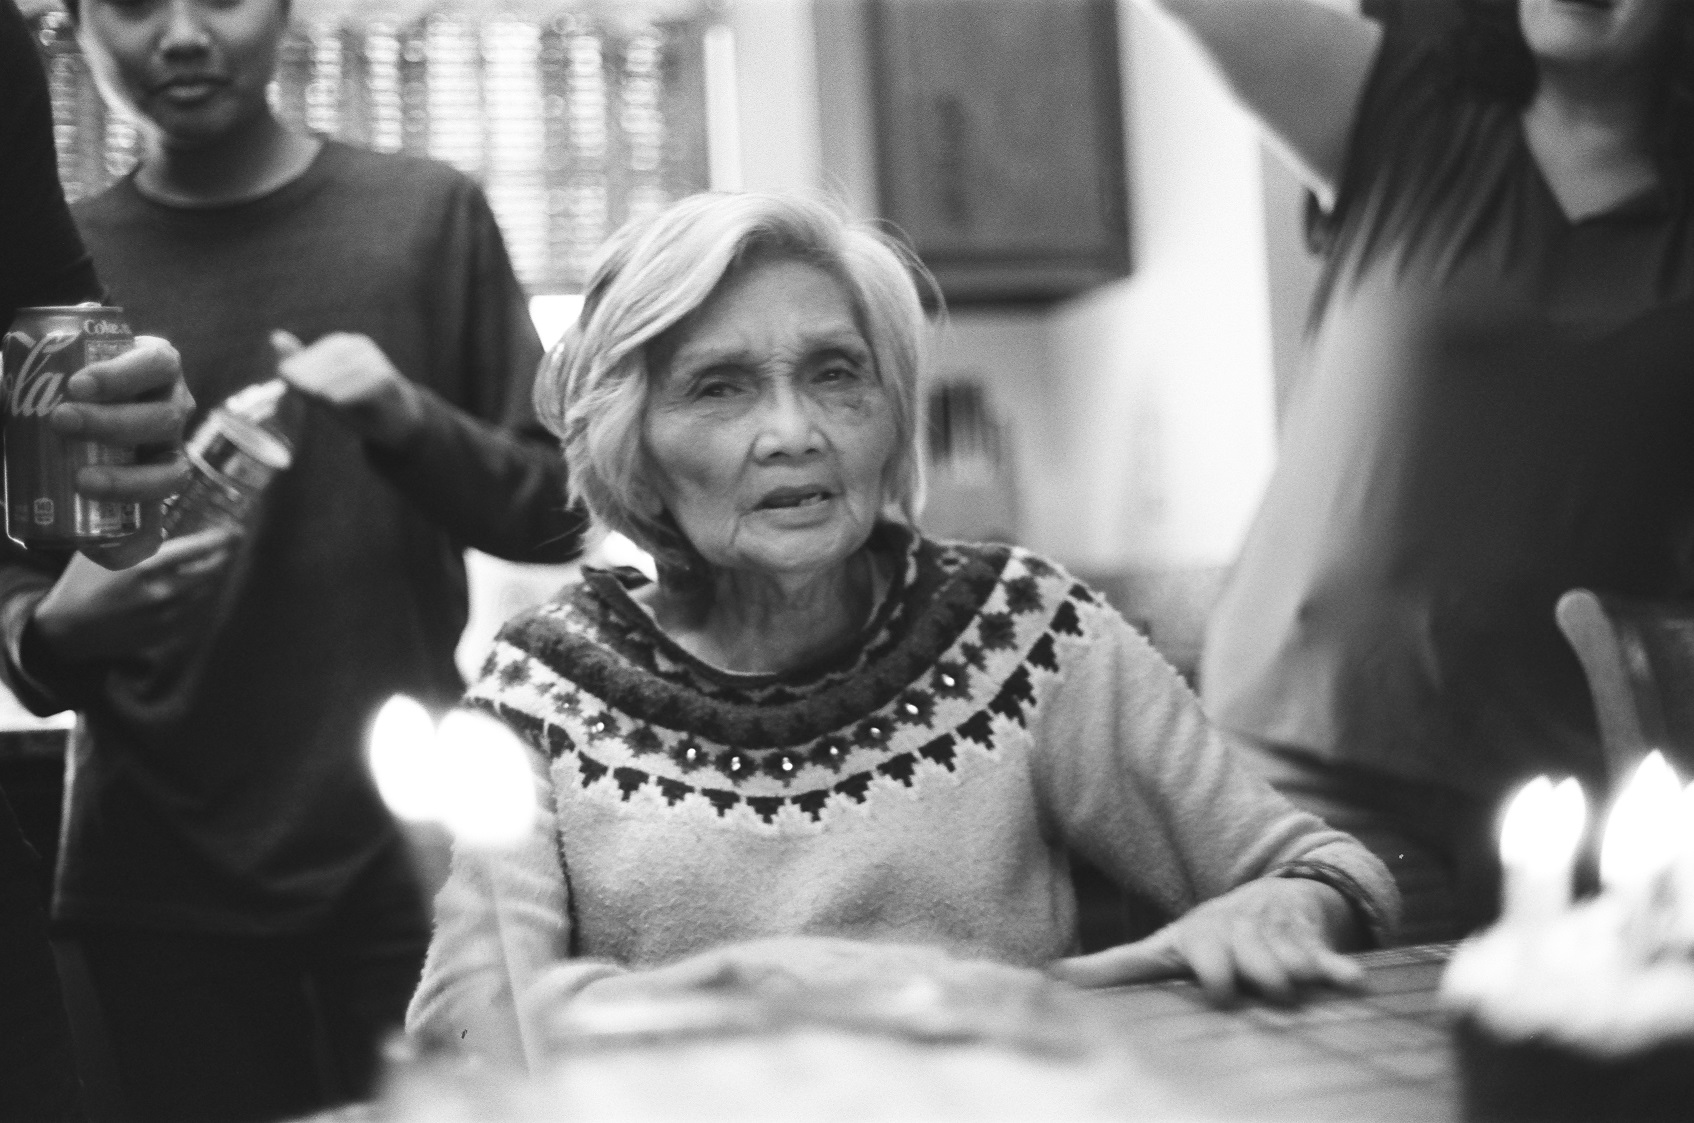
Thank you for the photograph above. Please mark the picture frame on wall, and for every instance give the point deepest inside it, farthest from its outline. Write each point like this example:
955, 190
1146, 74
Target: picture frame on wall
1000, 143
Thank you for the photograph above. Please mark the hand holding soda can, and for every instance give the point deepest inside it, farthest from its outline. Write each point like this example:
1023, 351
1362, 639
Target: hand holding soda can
71, 472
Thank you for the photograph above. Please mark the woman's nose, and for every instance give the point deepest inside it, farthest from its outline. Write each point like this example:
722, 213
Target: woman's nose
786, 425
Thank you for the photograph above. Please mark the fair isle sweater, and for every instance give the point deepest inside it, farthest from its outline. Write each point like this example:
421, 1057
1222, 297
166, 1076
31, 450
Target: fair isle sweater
925, 788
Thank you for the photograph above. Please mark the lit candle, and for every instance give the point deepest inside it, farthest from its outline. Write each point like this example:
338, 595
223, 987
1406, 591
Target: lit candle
471, 774
403, 759
1642, 836
1538, 840
491, 789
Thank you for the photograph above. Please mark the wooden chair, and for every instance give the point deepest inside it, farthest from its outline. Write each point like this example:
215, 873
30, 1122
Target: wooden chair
1638, 656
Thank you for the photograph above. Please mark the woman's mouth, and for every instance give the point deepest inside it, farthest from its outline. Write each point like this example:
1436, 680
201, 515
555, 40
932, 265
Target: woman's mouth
789, 497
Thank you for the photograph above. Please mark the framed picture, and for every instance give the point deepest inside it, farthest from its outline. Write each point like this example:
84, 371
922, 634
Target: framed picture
1000, 142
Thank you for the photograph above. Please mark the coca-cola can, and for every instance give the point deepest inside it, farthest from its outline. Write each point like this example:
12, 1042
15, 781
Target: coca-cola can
44, 510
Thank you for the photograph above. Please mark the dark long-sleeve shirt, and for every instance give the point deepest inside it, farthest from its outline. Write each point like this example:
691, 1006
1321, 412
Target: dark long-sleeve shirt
220, 781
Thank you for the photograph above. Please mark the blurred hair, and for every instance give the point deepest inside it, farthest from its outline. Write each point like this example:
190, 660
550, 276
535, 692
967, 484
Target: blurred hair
1495, 60
649, 278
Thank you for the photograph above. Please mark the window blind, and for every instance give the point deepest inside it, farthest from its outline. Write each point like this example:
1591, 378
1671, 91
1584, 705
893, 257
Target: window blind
573, 115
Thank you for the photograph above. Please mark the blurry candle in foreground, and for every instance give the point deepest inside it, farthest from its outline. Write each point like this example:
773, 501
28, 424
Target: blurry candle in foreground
492, 791
1642, 831
1538, 840
404, 760
471, 774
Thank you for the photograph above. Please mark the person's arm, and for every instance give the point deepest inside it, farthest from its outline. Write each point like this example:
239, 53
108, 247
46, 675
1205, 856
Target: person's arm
1300, 67
136, 400
483, 467
1138, 781
66, 620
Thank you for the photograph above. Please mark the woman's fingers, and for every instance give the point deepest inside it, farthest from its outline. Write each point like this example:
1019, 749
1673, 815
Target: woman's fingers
1334, 969
1213, 960
1141, 962
1269, 970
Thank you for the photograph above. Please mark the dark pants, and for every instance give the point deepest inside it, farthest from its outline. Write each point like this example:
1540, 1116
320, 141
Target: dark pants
1437, 842
212, 1027
37, 1064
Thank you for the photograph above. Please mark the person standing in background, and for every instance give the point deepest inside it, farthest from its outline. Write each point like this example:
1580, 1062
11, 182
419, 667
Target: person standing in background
1495, 407
138, 400
243, 899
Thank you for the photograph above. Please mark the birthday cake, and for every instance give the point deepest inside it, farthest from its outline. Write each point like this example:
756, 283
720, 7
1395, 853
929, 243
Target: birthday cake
799, 1028
1586, 1012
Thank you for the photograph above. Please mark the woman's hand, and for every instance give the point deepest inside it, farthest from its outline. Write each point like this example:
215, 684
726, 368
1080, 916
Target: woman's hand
135, 400
95, 613
350, 374
1271, 936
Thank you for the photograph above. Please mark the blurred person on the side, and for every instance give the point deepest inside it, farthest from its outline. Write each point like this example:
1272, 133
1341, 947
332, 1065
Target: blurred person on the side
243, 900
1494, 407
138, 401
818, 722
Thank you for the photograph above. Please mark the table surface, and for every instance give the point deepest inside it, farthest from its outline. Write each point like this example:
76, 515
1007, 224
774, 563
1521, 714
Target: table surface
1383, 1054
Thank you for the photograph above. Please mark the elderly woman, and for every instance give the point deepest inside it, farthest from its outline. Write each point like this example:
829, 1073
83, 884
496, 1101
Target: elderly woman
818, 722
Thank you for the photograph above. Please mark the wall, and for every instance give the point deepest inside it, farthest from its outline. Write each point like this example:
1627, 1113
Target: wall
1165, 377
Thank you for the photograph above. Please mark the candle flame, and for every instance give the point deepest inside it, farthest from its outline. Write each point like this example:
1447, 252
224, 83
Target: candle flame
1643, 827
403, 759
494, 789
471, 774
1543, 824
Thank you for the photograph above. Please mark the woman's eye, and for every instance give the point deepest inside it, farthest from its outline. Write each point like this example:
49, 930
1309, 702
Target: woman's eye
714, 389
837, 373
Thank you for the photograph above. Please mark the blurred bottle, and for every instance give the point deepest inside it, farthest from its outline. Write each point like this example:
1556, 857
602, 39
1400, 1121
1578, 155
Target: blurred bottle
237, 451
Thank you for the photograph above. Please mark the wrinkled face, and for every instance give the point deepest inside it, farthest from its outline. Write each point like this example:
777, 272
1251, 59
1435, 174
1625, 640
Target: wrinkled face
195, 68
767, 428
1602, 33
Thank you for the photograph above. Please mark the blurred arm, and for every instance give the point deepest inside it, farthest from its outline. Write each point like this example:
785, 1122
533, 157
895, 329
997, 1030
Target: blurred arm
1298, 66
476, 458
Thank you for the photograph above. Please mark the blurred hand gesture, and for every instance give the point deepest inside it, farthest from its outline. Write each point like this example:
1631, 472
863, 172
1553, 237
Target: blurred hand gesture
1270, 937
350, 374
92, 613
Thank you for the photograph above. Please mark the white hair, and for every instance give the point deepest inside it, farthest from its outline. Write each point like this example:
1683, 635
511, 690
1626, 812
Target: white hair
651, 276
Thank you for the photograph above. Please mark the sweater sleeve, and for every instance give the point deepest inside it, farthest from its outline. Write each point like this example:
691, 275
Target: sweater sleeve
481, 465
501, 921
1134, 778
41, 682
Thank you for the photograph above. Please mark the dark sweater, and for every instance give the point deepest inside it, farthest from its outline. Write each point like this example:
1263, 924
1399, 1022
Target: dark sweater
220, 782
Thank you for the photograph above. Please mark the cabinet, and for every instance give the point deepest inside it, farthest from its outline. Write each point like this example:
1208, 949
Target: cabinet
1000, 142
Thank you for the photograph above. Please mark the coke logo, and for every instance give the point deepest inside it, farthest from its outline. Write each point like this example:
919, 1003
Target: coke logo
104, 327
31, 391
